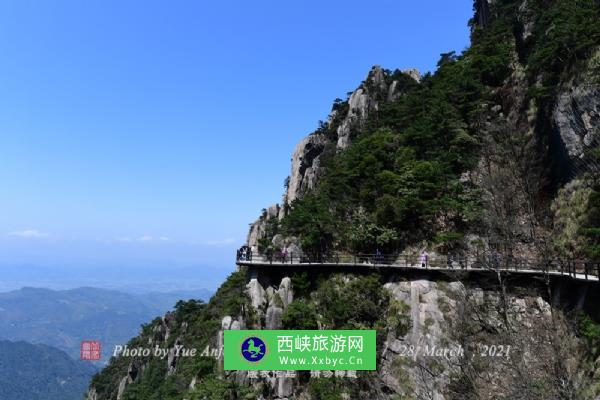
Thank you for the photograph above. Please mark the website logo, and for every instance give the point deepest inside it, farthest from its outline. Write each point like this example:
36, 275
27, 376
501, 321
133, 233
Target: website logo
300, 350
253, 349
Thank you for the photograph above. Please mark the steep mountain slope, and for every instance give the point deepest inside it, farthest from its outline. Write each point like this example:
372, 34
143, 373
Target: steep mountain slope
549, 350
495, 152
39, 372
510, 121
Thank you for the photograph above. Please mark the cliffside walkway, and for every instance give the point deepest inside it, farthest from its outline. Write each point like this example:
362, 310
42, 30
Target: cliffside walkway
582, 270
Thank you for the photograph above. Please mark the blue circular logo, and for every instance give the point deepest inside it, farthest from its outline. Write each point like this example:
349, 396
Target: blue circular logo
253, 349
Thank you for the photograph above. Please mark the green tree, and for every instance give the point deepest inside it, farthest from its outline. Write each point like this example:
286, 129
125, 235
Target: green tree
300, 315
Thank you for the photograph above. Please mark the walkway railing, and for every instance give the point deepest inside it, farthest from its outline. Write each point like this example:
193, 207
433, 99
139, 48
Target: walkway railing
579, 269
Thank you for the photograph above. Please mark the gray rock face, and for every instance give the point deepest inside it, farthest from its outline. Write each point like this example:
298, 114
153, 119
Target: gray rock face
122, 386
173, 359
257, 294
285, 291
284, 387
270, 303
136, 369
258, 228
306, 168
577, 118
227, 323
526, 18
273, 317
275, 300
306, 165
413, 73
237, 325
361, 102
92, 395
433, 310
436, 315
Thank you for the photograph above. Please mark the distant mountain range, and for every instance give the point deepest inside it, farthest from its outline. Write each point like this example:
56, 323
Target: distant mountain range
127, 278
63, 319
40, 372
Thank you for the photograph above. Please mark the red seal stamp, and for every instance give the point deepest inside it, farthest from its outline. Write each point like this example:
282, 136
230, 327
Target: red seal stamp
91, 350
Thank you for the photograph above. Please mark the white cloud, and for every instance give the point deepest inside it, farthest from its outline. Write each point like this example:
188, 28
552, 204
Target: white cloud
29, 234
145, 238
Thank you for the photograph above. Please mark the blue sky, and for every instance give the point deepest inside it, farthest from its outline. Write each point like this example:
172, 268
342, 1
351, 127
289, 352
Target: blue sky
151, 133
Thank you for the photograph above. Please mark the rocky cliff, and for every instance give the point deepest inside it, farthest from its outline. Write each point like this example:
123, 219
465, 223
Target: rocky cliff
442, 338
495, 151
335, 135
515, 117
576, 116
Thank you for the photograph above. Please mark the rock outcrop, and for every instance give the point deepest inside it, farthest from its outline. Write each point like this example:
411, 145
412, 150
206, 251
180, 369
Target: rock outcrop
258, 228
432, 313
577, 118
576, 114
433, 328
270, 303
306, 165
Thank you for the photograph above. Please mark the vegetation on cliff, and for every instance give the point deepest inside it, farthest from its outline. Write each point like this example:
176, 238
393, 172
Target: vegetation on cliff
467, 151
193, 324
412, 171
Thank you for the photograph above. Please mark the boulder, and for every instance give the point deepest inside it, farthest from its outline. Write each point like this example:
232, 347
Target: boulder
257, 294
285, 291
273, 317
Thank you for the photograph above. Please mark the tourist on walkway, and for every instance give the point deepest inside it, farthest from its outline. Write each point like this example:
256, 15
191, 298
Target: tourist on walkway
378, 257
242, 253
424, 259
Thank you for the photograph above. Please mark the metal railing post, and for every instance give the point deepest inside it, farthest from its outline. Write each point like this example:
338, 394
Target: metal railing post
571, 269
560, 264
